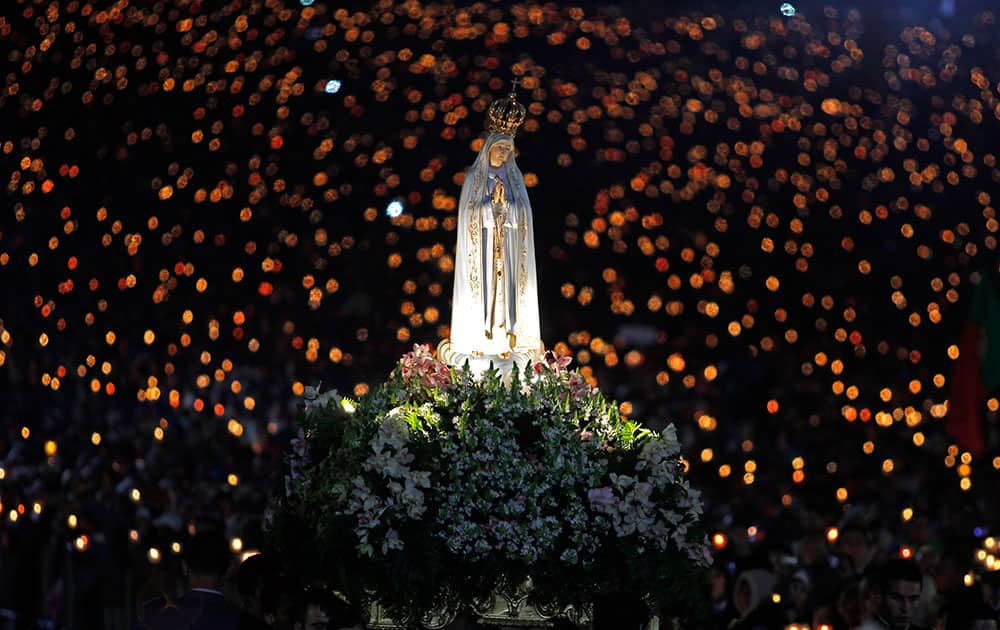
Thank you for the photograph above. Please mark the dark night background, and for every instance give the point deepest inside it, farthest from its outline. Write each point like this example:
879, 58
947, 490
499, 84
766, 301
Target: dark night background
194, 226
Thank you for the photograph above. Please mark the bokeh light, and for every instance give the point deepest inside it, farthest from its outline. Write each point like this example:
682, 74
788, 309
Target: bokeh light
394, 209
765, 227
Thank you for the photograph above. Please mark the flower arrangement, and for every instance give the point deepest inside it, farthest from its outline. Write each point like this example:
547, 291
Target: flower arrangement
437, 487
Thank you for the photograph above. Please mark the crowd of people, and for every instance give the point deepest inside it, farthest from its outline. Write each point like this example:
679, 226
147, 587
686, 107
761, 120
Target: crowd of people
821, 180
265, 595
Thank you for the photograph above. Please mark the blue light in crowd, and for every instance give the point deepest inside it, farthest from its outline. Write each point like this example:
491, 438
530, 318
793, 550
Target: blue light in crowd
787, 9
978, 532
306, 3
332, 86
394, 209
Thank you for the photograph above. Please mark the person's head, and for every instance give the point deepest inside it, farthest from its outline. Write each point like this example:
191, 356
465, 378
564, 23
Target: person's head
823, 617
717, 582
967, 610
919, 530
799, 587
811, 549
314, 618
752, 587
947, 572
900, 584
853, 543
251, 580
990, 585
619, 610
850, 605
280, 601
500, 152
206, 558
313, 611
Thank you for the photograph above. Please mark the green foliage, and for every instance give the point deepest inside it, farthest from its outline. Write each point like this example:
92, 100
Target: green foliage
437, 485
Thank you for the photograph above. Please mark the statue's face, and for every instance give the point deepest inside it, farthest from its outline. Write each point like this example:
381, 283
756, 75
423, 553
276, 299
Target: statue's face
499, 153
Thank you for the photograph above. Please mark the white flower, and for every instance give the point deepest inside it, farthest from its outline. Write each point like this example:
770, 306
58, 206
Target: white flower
556, 501
310, 393
315, 401
669, 435
621, 481
392, 541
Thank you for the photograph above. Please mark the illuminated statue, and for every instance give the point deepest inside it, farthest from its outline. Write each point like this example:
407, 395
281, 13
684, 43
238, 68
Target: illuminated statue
495, 301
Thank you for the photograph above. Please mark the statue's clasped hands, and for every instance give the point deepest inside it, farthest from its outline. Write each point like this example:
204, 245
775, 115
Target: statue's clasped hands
499, 193
499, 199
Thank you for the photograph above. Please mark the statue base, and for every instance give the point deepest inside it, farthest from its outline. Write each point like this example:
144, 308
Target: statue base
479, 363
507, 608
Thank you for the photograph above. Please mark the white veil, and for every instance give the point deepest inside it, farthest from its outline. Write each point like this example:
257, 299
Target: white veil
468, 314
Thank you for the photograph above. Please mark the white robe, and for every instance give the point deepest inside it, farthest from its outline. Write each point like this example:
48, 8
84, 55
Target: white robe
516, 308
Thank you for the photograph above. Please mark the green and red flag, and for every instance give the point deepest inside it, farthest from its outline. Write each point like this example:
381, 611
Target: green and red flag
976, 371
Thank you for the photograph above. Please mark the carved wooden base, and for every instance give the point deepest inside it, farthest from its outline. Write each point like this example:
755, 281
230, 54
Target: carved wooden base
506, 607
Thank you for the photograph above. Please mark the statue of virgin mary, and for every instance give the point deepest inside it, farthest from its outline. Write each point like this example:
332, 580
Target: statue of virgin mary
495, 302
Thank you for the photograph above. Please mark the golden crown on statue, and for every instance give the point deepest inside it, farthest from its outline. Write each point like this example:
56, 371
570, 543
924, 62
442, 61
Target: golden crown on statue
506, 115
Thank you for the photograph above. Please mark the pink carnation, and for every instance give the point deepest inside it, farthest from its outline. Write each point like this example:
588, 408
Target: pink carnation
421, 366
